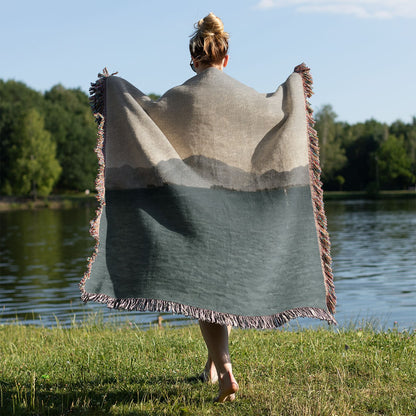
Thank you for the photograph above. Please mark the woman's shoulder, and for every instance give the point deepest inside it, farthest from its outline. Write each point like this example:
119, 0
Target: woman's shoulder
213, 81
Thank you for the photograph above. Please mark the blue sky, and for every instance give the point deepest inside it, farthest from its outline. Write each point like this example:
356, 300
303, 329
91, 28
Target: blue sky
361, 53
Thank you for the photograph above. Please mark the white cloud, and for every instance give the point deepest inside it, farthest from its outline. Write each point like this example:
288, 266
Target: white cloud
378, 9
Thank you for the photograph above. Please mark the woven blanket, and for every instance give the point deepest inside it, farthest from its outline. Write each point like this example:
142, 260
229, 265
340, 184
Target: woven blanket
210, 202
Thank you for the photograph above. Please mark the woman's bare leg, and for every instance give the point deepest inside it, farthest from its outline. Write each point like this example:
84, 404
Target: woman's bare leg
210, 374
216, 339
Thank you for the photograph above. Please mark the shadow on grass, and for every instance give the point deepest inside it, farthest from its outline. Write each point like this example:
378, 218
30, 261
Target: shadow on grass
98, 397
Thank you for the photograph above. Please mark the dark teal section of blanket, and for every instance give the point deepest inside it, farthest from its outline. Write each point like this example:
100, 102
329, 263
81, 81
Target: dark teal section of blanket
244, 253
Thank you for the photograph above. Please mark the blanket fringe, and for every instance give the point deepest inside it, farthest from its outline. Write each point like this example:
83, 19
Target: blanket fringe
259, 322
97, 102
317, 192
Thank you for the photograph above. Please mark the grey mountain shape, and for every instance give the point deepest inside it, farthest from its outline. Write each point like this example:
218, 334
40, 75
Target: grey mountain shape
200, 171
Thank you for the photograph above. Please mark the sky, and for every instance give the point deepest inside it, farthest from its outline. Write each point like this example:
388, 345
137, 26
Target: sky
361, 53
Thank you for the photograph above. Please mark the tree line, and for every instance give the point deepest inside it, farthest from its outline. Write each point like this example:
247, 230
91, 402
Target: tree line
367, 156
47, 142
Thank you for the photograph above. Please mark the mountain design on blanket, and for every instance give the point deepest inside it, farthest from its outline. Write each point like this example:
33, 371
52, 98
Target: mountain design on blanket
211, 202
203, 172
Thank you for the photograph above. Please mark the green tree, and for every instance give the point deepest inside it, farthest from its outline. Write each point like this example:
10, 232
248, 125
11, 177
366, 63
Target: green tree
15, 99
71, 123
35, 169
394, 164
332, 154
153, 96
361, 142
408, 132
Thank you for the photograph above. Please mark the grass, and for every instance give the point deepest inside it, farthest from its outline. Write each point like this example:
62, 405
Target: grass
103, 369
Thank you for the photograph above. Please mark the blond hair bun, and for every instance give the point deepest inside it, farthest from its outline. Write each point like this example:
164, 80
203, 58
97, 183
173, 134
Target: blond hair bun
209, 43
210, 25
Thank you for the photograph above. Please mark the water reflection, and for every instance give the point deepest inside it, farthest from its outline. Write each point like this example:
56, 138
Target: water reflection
43, 257
374, 253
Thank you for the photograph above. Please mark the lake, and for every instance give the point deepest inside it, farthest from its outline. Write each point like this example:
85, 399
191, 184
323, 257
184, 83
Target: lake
43, 257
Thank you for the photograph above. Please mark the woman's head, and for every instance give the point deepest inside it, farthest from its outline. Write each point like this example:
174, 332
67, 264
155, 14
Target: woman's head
209, 43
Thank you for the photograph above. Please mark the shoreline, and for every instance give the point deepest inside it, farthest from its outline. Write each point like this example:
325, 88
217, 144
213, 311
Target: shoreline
58, 201
347, 195
68, 201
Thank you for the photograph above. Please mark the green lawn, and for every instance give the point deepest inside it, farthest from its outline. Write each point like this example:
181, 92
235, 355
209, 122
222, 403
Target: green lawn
103, 369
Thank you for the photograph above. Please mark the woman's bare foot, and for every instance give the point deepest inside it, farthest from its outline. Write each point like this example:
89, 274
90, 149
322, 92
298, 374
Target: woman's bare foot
209, 375
228, 388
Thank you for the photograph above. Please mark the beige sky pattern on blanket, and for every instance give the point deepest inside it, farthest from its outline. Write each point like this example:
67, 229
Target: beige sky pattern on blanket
270, 139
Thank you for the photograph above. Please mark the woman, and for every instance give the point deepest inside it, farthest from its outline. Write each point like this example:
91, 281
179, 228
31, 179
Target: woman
209, 49
211, 203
